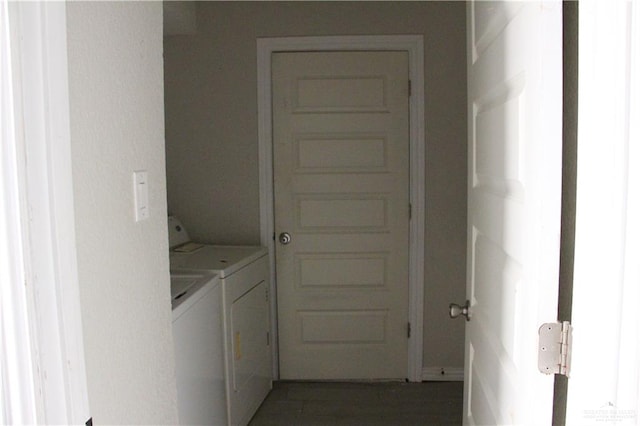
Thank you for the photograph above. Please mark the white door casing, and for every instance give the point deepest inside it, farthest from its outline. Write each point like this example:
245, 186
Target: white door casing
604, 386
515, 143
340, 126
45, 187
413, 44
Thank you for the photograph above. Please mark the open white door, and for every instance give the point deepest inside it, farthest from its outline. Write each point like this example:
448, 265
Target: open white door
515, 149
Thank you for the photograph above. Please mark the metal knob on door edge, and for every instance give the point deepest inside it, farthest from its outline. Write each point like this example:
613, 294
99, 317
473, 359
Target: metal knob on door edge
284, 238
456, 310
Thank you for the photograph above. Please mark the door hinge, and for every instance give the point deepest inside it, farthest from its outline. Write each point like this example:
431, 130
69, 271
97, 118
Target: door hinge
410, 211
409, 87
268, 339
554, 348
408, 330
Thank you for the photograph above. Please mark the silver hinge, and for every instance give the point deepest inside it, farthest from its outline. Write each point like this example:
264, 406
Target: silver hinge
408, 330
554, 348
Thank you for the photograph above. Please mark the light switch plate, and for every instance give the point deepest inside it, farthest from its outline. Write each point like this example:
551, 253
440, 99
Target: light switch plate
141, 195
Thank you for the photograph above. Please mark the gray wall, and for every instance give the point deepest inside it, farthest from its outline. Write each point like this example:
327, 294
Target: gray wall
116, 111
211, 130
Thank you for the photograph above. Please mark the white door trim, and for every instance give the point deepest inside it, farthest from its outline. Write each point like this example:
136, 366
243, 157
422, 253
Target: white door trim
413, 44
43, 143
607, 226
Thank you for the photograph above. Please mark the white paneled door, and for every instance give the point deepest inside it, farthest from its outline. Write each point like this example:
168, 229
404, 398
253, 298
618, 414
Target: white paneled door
341, 185
515, 146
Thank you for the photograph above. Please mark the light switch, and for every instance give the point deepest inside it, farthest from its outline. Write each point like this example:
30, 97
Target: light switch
141, 195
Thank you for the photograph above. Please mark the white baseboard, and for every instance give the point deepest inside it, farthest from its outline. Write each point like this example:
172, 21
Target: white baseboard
443, 374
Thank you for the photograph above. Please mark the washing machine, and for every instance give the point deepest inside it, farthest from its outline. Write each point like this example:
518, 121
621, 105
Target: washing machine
198, 339
244, 275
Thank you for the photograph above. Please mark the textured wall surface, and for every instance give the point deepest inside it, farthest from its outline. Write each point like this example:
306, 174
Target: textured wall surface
212, 130
117, 126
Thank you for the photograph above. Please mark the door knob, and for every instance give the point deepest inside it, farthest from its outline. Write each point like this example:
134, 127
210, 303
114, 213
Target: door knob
284, 238
456, 310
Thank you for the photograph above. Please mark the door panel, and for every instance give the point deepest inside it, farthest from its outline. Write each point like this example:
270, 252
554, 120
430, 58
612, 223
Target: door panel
515, 143
341, 190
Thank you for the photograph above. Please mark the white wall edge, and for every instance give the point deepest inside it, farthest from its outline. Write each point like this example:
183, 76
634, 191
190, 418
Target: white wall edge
443, 374
414, 45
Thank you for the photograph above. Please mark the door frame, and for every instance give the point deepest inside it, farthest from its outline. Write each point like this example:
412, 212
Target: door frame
43, 185
414, 46
608, 51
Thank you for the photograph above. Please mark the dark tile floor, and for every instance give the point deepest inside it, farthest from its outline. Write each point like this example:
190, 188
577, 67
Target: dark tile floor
366, 404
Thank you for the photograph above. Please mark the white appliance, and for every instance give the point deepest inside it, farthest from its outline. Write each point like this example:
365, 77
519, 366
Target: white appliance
244, 274
198, 336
